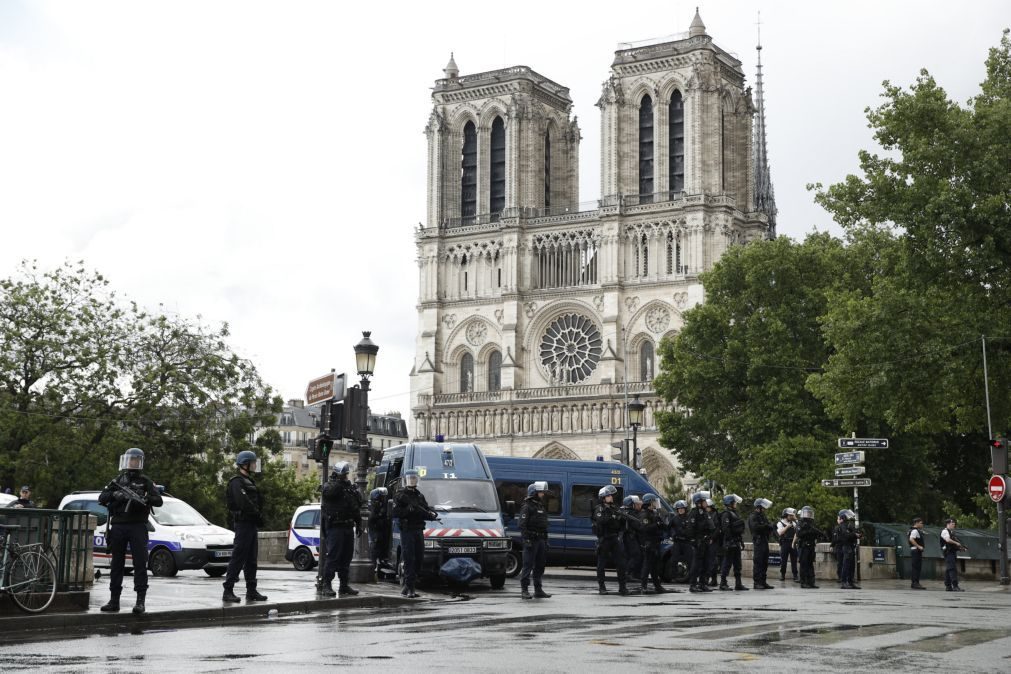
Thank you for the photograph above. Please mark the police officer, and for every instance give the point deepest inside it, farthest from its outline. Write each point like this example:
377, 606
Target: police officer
26, 499
651, 534
341, 510
916, 544
714, 552
379, 533
631, 507
681, 537
849, 537
786, 530
534, 529
760, 527
608, 523
837, 546
807, 538
411, 508
702, 531
129, 498
950, 547
245, 503
732, 529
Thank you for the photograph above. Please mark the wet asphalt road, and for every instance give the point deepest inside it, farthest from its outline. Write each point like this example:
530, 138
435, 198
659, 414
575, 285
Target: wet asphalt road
883, 627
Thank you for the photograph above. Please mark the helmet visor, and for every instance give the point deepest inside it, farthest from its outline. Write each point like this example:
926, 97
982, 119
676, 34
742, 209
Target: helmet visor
540, 486
130, 461
411, 480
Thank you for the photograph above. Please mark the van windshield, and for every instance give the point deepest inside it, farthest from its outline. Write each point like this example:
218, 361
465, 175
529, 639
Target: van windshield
460, 495
177, 514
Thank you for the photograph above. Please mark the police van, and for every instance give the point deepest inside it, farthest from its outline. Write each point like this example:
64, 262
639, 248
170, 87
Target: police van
457, 483
179, 537
303, 537
572, 496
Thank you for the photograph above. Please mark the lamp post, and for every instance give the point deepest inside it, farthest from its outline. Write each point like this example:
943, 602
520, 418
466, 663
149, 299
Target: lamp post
365, 360
635, 408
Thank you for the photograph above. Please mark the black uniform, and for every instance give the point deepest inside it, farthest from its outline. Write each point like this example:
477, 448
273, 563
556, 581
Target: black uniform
702, 531
760, 530
652, 528
22, 503
950, 550
608, 524
837, 551
245, 504
379, 529
787, 548
848, 539
714, 553
128, 526
732, 529
807, 537
534, 528
681, 549
916, 552
341, 509
631, 542
411, 508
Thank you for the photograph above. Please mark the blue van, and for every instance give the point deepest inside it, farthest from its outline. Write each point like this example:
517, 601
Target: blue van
572, 489
457, 483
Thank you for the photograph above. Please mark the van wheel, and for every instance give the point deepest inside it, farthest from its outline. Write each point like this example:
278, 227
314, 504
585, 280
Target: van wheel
497, 581
162, 564
513, 563
215, 572
302, 559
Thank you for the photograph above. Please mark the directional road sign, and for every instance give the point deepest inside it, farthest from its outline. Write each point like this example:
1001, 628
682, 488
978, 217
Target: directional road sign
998, 487
327, 387
849, 457
863, 443
852, 482
850, 471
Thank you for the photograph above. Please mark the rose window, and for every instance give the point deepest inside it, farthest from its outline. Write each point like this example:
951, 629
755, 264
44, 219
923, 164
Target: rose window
570, 349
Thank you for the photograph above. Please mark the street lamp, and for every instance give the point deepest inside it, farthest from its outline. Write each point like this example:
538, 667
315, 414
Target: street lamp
365, 357
365, 361
635, 408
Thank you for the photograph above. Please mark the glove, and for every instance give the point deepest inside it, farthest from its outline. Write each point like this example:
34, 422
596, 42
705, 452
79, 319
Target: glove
119, 496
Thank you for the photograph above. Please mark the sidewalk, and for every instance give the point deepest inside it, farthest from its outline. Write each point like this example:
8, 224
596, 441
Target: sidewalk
192, 598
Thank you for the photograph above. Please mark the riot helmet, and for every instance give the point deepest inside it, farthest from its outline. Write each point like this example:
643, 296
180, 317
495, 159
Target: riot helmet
762, 503
698, 498
340, 470
535, 487
710, 503
731, 500
650, 501
248, 459
680, 504
627, 502
132, 459
605, 491
411, 477
789, 511
847, 514
378, 494
807, 513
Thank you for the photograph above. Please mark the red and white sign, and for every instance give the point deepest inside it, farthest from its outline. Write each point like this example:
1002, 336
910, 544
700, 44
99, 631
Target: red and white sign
470, 533
998, 487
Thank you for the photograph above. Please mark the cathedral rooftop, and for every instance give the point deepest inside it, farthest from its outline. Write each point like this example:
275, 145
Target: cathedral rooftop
476, 83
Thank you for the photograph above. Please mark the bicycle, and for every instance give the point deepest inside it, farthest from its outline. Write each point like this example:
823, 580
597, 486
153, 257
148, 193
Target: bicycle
27, 573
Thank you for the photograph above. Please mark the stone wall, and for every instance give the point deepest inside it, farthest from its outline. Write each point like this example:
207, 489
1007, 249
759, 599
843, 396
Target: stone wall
271, 547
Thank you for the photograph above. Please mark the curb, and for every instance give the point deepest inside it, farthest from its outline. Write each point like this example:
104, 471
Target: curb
198, 617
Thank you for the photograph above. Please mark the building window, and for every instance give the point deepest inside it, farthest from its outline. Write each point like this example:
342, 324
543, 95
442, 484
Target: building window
646, 150
647, 361
570, 349
495, 371
498, 166
547, 170
676, 117
466, 373
644, 248
468, 180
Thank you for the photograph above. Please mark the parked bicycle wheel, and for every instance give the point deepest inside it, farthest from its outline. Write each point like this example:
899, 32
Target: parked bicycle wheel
32, 581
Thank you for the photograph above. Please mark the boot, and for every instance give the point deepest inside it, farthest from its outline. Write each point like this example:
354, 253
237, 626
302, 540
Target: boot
326, 590
113, 605
705, 588
229, 595
253, 595
138, 607
739, 586
782, 577
525, 594
694, 588
623, 589
411, 594
601, 588
541, 594
917, 586
644, 589
766, 586
660, 589
723, 585
346, 590
712, 581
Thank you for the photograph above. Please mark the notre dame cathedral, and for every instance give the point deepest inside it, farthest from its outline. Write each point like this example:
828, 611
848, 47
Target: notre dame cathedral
539, 317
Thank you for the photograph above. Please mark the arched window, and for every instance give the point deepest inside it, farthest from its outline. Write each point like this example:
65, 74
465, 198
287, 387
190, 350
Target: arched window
646, 150
495, 371
498, 164
647, 362
466, 373
547, 170
676, 165
468, 179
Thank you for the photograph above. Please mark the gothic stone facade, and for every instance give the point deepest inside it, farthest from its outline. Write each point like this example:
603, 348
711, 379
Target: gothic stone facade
539, 316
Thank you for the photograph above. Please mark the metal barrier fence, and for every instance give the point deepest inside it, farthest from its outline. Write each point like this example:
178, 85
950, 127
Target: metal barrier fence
66, 534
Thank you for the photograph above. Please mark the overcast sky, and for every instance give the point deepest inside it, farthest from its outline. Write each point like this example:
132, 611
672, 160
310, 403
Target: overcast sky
263, 163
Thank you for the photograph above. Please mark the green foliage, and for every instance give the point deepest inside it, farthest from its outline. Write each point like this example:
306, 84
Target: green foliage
673, 489
83, 376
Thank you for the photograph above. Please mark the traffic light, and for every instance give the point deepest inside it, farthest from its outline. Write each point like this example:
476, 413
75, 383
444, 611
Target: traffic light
998, 455
319, 448
622, 454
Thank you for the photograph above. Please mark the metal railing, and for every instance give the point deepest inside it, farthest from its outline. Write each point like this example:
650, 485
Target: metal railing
68, 535
543, 393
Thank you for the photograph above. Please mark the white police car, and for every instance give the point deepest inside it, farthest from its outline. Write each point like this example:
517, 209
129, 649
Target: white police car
7, 499
179, 537
303, 538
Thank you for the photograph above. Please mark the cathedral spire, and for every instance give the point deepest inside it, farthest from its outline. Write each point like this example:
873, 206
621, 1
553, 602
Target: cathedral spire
451, 70
765, 198
697, 27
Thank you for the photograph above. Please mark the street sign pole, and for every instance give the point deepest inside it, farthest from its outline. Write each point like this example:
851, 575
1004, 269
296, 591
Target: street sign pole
856, 512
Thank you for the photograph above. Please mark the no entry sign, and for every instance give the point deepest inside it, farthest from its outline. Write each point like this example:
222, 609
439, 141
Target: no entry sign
998, 487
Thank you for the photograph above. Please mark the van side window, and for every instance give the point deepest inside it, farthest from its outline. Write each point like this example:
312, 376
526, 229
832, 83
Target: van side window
584, 497
512, 490
308, 519
94, 507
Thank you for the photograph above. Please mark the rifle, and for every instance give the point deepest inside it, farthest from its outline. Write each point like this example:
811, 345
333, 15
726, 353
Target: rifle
131, 496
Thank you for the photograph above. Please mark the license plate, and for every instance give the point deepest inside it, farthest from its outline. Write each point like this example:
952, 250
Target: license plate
462, 551
222, 553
